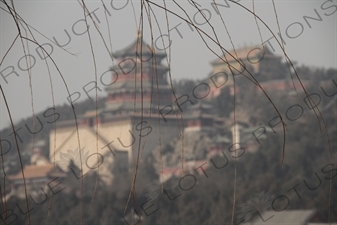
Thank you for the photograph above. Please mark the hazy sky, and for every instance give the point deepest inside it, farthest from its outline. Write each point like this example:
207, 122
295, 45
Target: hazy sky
308, 41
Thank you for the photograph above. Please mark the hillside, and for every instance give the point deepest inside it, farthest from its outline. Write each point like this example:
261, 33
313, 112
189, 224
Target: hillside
204, 194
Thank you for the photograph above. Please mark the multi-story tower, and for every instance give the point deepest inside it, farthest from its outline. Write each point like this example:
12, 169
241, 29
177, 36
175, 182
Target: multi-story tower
139, 80
132, 121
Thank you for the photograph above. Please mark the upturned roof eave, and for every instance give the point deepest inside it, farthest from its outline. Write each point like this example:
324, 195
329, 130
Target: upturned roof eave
135, 47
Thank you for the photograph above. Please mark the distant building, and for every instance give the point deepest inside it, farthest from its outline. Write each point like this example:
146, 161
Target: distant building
257, 60
199, 117
281, 85
37, 179
139, 104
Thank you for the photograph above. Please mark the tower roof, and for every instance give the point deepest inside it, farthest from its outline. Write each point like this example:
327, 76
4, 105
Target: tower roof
243, 53
140, 48
38, 171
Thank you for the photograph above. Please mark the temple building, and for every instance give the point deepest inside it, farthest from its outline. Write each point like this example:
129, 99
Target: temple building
257, 60
139, 80
199, 118
139, 108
